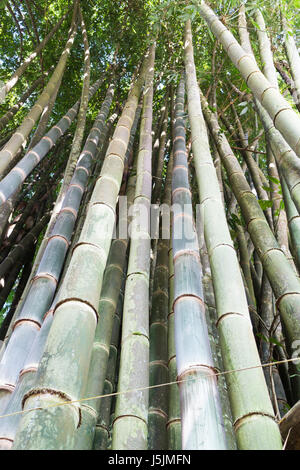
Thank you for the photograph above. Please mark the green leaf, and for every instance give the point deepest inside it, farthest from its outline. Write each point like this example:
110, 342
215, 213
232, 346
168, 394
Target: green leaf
264, 204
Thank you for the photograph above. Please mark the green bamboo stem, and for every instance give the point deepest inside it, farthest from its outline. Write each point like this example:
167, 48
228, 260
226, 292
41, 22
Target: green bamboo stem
131, 414
211, 319
18, 174
79, 294
280, 221
245, 264
158, 335
102, 431
78, 135
18, 138
251, 407
174, 417
285, 119
21, 69
42, 125
201, 419
285, 284
112, 283
26, 379
160, 157
42, 289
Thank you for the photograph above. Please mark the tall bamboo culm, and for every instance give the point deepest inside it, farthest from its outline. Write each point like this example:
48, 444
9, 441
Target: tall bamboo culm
18, 138
43, 287
251, 407
71, 337
10, 184
285, 119
283, 279
108, 321
131, 414
201, 417
159, 372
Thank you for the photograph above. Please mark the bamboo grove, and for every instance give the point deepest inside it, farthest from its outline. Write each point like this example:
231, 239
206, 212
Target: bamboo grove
149, 225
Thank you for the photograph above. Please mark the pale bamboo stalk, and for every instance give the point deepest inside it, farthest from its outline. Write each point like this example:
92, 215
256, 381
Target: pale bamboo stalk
201, 419
44, 119
18, 174
9, 425
20, 135
265, 49
238, 351
293, 56
285, 119
79, 295
131, 414
112, 283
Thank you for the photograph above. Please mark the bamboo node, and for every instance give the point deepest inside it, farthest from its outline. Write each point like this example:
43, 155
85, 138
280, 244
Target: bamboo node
278, 112
238, 422
51, 391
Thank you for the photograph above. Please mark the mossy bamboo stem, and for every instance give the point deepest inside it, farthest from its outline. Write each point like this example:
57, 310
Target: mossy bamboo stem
18, 138
131, 414
237, 351
79, 294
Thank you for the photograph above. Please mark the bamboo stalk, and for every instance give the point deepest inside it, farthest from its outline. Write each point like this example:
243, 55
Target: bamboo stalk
238, 351
78, 135
18, 174
202, 424
158, 335
285, 284
130, 423
285, 119
18, 138
79, 294
293, 56
42, 289
112, 283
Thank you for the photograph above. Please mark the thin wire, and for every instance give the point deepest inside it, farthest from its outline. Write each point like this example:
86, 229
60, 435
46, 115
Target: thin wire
146, 388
